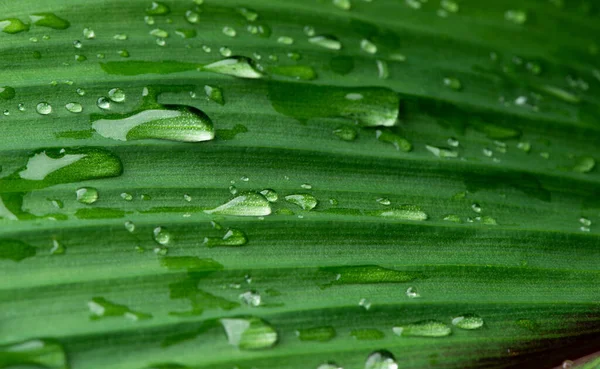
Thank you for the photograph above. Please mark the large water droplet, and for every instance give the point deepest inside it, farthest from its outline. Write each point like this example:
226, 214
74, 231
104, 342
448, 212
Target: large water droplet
425, 328
381, 360
305, 201
468, 321
172, 122
585, 164
40, 353
12, 25
237, 66
369, 106
248, 204
249, 333
43, 108
116, 95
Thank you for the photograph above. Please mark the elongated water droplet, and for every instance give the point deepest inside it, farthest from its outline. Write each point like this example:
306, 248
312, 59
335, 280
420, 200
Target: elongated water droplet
326, 41
425, 328
452, 218
270, 195
7, 93
452, 83
516, 16
370, 106
13, 25
232, 238
49, 20
403, 212
43, 108
250, 14
468, 321
321, 334
237, 66
585, 164
116, 95
367, 334
87, 195
442, 152
215, 94
399, 142
172, 122
40, 353
368, 47
102, 308
560, 94
305, 201
15, 250
249, 333
381, 360
248, 204
285, 40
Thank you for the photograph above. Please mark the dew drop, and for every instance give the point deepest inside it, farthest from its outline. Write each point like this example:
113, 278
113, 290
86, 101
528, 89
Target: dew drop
57, 248
346, 133
381, 359
251, 298
305, 201
342, 4
404, 212
476, 208
411, 292
74, 107
270, 195
116, 95
585, 164
248, 204
247, 13
158, 8
441, 152
49, 20
129, 226
228, 31
425, 328
249, 333
468, 321
368, 47
127, 196
102, 308
103, 103
161, 236
13, 25
237, 66
232, 238
7, 93
516, 16
87, 195
326, 41
89, 33
452, 83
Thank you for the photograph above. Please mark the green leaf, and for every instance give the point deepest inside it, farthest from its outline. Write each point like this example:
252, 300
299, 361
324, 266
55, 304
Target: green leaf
299, 184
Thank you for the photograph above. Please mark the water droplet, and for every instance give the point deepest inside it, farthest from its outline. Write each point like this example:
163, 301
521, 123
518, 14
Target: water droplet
44, 108
102, 308
74, 107
412, 293
172, 122
13, 25
346, 133
383, 71
247, 13
285, 40
384, 201
49, 20
249, 333
215, 94
192, 16
403, 212
381, 360
452, 83
248, 204
158, 8
120, 37
468, 321
585, 164
103, 103
441, 152
425, 328
367, 334
305, 201
127, 196
326, 41
585, 222
228, 31
80, 91
251, 298
57, 248
516, 16
449, 6
487, 152
399, 142
368, 47
123, 53
452, 218
366, 304
232, 238
7, 93
87, 195
342, 4
116, 95
270, 195
161, 236
160, 33
39, 353
237, 66
321, 334
89, 33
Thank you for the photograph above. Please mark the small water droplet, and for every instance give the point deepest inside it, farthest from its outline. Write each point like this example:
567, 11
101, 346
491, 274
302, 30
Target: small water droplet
346, 133
215, 94
102, 308
384, 201
305, 201
364, 303
158, 8
89, 33
232, 238
129, 226
412, 293
43, 108
452, 83
116, 95
326, 41
381, 359
249, 333
468, 321
585, 164
229, 31
161, 236
368, 46
74, 107
452, 218
249, 14
127, 196
237, 66
476, 208
87, 195
192, 16
7, 92
425, 328
441, 152
251, 298
285, 40
516, 16
103, 103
